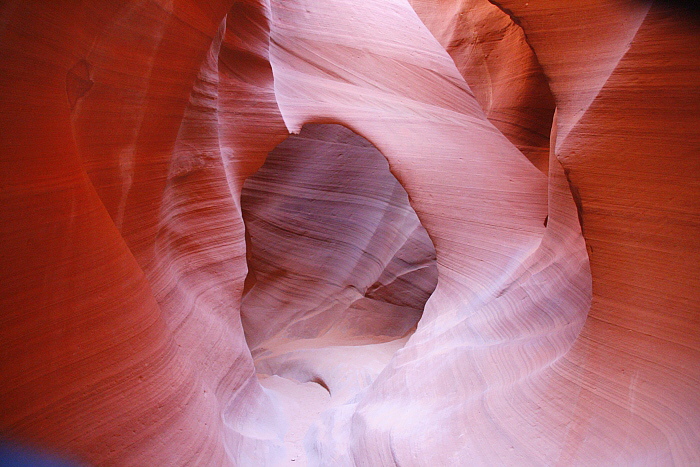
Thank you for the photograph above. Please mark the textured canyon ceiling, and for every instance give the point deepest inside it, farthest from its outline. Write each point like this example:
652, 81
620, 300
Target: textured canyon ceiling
475, 239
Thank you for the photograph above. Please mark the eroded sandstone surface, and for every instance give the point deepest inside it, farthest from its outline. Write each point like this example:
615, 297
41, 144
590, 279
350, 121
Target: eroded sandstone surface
168, 297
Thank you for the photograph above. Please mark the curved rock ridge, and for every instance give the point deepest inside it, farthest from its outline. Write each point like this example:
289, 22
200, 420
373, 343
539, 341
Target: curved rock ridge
564, 325
631, 159
510, 290
123, 249
492, 54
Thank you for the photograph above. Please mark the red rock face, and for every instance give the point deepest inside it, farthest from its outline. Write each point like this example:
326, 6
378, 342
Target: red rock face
564, 325
493, 55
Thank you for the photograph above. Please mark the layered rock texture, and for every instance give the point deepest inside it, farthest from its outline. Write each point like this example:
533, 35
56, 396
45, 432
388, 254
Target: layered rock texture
331, 230
164, 302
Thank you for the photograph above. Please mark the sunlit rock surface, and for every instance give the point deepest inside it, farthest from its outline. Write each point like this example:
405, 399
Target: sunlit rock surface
565, 326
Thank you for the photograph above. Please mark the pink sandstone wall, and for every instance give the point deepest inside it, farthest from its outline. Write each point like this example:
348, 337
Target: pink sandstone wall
550, 149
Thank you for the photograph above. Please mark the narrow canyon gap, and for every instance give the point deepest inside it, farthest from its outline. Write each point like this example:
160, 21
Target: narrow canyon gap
339, 266
332, 238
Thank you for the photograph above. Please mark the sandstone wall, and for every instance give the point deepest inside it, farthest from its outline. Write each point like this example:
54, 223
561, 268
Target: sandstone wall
564, 325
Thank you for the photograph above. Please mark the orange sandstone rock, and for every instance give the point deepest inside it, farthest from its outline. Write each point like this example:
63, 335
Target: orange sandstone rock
128, 130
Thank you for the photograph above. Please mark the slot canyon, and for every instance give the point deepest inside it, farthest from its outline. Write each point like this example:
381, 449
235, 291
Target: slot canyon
349, 233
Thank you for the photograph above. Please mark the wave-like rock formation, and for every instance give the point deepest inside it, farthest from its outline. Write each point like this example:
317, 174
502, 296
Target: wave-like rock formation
163, 303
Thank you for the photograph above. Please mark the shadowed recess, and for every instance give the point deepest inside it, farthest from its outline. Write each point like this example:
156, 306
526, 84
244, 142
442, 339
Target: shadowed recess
333, 242
340, 269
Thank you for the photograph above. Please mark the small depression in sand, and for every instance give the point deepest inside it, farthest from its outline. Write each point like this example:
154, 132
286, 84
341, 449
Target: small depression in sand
339, 270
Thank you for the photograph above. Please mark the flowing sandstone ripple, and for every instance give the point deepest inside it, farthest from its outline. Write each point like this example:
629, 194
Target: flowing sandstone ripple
129, 127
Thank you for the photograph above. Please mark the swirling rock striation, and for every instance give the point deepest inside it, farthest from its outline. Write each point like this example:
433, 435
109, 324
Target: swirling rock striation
564, 325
